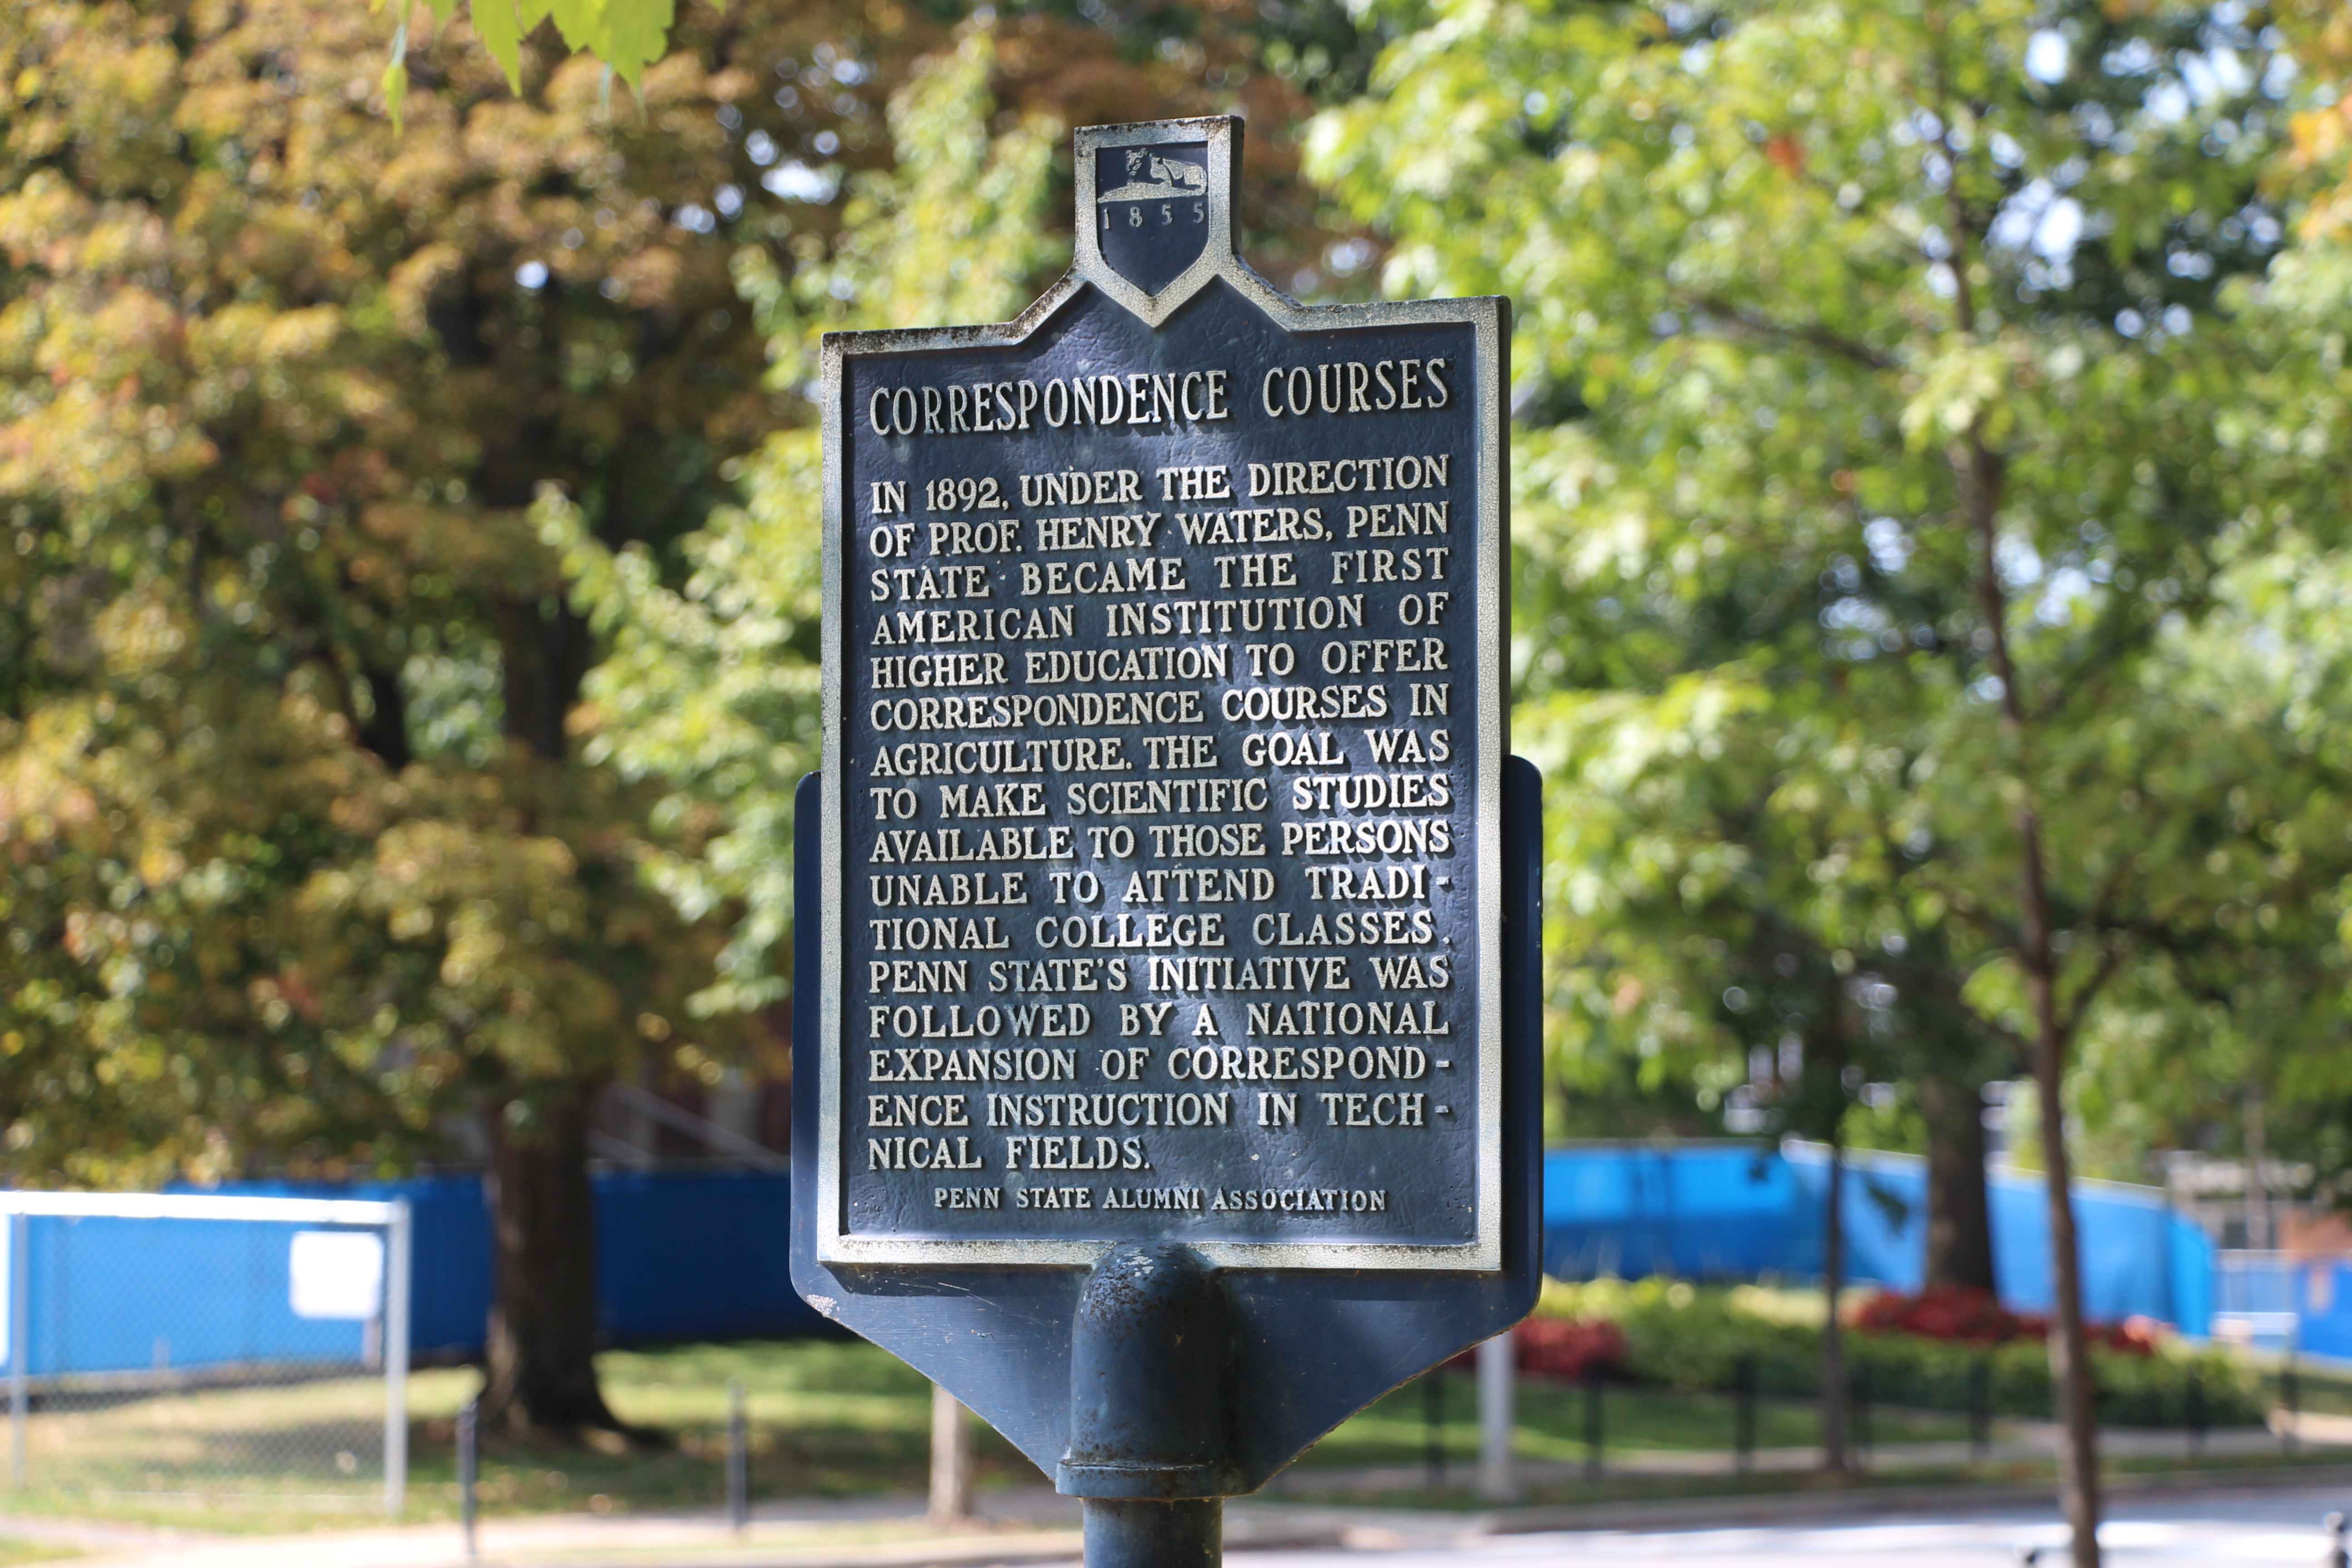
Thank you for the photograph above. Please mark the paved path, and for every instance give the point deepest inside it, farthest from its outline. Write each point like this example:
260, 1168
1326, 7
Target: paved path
2272, 1527
2248, 1524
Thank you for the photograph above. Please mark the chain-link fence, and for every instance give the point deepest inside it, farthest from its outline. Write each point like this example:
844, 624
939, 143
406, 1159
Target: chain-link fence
168, 1351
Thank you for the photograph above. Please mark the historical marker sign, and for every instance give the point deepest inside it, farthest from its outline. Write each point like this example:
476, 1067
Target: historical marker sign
1161, 890
1165, 730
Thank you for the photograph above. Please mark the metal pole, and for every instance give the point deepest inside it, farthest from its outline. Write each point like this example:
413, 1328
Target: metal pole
1186, 1534
1152, 1355
1497, 1417
466, 1437
951, 1459
20, 1339
739, 1459
395, 1359
1433, 1425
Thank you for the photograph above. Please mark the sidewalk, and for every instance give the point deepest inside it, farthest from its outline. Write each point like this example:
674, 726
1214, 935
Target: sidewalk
883, 1533
1036, 1527
1028, 1526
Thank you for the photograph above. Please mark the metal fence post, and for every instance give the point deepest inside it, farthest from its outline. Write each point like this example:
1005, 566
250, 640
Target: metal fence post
1497, 1417
395, 1358
2290, 1396
1980, 1408
1743, 1414
468, 1437
739, 1459
20, 1341
1593, 1417
2192, 1398
1858, 1413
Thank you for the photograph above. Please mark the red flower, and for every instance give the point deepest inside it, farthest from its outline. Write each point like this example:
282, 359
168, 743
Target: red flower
1977, 1318
1566, 1349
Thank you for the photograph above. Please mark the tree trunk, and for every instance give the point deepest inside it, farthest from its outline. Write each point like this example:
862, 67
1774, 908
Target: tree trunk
541, 1343
1959, 1211
2069, 1347
1833, 1390
2037, 956
544, 652
542, 1329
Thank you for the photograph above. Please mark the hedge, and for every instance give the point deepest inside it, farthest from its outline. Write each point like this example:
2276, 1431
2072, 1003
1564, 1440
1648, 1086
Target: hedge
1682, 1336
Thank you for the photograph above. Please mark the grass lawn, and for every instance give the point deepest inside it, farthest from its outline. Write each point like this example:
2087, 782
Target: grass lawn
34, 1551
828, 1418
1623, 1488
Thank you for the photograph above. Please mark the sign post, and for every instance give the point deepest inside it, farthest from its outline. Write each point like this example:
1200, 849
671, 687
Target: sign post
1166, 1021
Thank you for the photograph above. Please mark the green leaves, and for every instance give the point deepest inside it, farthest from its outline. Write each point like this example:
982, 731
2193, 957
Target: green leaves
1799, 287
298, 862
956, 231
627, 35
395, 77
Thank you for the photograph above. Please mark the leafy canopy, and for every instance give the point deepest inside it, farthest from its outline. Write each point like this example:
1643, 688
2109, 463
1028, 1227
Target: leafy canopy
1859, 345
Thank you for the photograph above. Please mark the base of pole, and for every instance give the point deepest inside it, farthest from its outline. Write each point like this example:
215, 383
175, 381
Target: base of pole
1186, 1534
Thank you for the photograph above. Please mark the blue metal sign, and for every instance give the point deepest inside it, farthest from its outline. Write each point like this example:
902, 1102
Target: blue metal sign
1166, 914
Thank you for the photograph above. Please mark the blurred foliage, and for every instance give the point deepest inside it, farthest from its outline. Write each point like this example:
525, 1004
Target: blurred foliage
710, 684
320, 831
713, 687
407, 542
300, 860
1692, 1336
1803, 289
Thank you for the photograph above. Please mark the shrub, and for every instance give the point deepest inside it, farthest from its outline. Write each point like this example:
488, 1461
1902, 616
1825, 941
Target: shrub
1677, 1335
1569, 1348
1976, 1317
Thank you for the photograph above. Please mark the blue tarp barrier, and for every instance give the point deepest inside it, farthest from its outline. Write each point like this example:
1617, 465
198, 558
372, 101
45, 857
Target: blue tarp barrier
1705, 1212
679, 1255
107, 1294
695, 1254
1726, 1211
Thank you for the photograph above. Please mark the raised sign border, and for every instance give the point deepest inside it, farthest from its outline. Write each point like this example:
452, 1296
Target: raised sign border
1488, 318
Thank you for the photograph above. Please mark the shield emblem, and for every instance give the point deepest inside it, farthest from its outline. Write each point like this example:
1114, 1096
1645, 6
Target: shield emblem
1151, 210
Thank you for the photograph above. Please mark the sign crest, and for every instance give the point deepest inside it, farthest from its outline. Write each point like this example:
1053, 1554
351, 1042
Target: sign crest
1151, 210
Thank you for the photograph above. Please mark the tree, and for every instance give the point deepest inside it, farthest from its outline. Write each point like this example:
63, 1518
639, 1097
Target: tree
317, 853
1883, 394
305, 861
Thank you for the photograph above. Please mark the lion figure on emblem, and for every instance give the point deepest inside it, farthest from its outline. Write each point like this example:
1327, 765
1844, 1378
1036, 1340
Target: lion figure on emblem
1141, 165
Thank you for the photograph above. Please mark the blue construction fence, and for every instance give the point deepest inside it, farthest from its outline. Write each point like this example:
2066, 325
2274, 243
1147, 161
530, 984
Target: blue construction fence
692, 1255
1736, 1211
680, 1255
130, 1299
